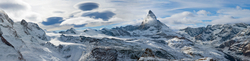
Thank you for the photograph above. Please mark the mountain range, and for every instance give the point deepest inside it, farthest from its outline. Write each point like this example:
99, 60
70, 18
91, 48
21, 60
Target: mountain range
152, 40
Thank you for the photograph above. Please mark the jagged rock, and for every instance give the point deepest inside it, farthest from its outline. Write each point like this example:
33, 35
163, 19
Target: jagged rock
150, 21
216, 33
69, 31
16, 45
5, 19
148, 53
193, 31
10, 21
24, 23
6, 42
149, 27
246, 49
101, 54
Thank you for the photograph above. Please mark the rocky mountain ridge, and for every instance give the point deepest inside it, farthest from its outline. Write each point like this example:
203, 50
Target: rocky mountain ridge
152, 40
147, 34
232, 39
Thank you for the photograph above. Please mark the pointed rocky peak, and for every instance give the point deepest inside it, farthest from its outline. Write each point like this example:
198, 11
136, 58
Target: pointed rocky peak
69, 31
24, 23
151, 14
151, 20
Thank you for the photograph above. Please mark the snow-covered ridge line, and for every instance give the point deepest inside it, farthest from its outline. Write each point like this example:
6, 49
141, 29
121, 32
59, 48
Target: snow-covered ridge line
151, 34
152, 40
20, 41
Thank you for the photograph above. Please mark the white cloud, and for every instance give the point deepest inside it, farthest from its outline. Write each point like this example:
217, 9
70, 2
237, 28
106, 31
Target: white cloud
236, 12
18, 10
80, 20
233, 15
203, 12
14, 5
90, 21
180, 18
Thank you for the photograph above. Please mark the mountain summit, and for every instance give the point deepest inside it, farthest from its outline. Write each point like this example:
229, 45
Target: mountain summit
151, 15
151, 20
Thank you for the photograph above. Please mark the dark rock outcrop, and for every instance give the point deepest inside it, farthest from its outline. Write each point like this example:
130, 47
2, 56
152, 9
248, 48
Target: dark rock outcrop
24, 23
102, 54
148, 53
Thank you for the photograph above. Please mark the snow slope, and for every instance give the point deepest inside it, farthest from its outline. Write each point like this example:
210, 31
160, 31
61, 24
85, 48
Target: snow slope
132, 43
20, 41
232, 39
152, 40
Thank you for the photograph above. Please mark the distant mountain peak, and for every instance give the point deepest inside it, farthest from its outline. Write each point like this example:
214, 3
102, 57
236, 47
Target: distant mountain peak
69, 31
151, 20
151, 14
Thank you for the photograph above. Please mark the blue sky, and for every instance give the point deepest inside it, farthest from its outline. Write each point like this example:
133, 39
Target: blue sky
55, 15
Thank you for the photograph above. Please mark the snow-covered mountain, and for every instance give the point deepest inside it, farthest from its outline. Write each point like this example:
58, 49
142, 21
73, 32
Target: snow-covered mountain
152, 40
239, 45
150, 27
232, 39
21, 41
215, 34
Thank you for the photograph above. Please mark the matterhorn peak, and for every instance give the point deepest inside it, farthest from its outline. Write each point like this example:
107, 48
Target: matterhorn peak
151, 20
151, 15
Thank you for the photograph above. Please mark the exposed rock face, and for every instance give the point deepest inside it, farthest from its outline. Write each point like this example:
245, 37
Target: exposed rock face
115, 32
24, 23
194, 31
216, 33
5, 20
150, 27
6, 42
101, 54
15, 43
69, 31
246, 49
151, 21
148, 53
239, 45
233, 39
